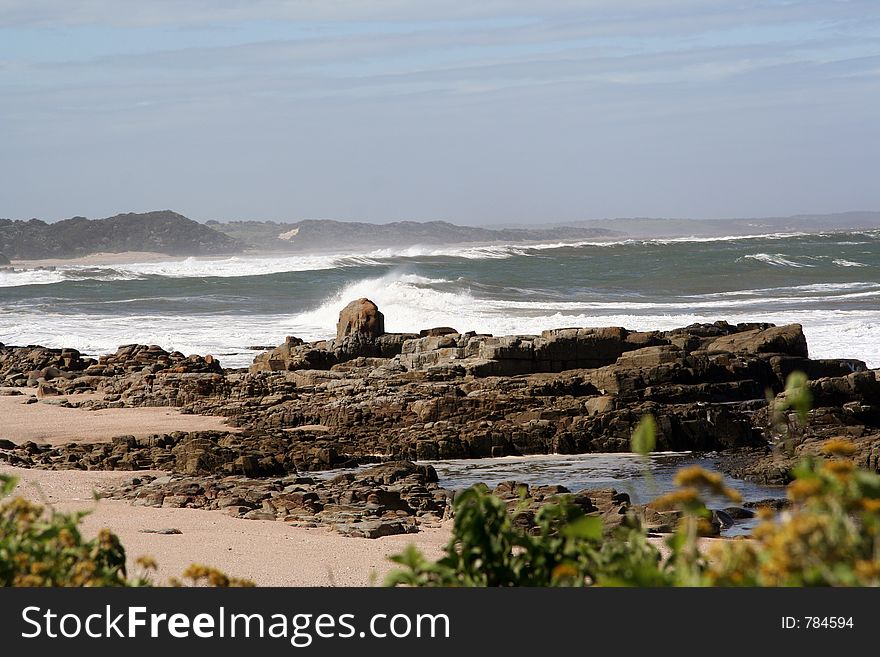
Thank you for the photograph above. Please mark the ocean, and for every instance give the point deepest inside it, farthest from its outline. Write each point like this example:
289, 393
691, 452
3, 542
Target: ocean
829, 283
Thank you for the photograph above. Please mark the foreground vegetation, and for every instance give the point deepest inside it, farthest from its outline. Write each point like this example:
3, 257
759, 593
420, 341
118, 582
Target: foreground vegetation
43, 547
829, 537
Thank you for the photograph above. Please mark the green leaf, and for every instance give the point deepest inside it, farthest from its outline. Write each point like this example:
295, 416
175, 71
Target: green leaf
587, 527
644, 438
7, 484
798, 396
676, 541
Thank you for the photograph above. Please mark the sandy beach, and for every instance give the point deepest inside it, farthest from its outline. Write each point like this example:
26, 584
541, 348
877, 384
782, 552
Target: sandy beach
47, 422
133, 257
266, 552
98, 259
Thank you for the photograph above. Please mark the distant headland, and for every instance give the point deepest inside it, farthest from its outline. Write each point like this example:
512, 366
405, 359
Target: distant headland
172, 234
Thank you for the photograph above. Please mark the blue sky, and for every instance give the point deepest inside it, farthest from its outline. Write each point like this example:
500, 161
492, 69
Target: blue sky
489, 112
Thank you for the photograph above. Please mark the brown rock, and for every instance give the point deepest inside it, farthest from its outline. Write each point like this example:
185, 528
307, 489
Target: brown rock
360, 317
437, 331
46, 390
788, 339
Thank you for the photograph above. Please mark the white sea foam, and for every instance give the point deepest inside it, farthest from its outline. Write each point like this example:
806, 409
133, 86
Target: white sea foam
410, 303
410, 306
225, 336
774, 259
840, 262
258, 265
24, 277
693, 304
187, 268
820, 288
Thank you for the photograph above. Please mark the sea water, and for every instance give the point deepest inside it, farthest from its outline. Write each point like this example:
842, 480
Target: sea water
829, 283
642, 478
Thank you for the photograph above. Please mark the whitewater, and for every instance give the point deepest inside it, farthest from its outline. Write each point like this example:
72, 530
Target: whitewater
829, 283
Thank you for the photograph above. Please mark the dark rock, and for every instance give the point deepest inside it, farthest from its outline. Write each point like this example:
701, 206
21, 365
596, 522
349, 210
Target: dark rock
375, 528
722, 518
738, 513
776, 504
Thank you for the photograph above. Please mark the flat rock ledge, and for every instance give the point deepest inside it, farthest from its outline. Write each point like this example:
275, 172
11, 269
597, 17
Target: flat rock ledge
368, 396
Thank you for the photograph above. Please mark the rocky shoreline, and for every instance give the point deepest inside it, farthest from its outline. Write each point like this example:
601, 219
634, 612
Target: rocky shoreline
372, 397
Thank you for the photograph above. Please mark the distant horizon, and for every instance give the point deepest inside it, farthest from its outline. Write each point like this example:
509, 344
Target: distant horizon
500, 224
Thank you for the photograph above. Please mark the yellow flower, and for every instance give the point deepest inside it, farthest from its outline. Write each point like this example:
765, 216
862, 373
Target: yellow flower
28, 581
39, 567
214, 577
694, 475
839, 466
65, 537
698, 477
732, 494
764, 532
867, 569
82, 573
705, 528
676, 499
765, 513
564, 571
871, 505
195, 572
147, 563
801, 489
839, 447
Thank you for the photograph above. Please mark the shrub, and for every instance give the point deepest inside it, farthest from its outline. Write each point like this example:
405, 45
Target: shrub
44, 547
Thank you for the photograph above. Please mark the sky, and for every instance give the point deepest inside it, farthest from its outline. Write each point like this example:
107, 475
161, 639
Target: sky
489, 112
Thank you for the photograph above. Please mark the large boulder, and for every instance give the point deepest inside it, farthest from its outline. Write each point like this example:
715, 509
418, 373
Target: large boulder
361, 318
788, 340
360, 333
